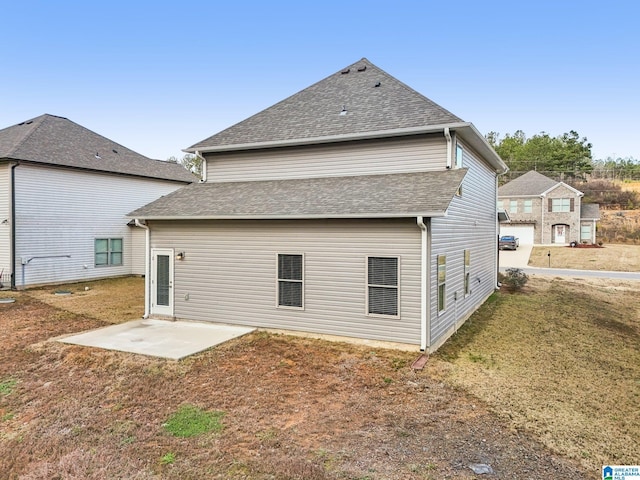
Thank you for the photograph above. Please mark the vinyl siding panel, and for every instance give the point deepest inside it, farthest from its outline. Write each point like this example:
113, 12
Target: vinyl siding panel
5, 218
470, 224
229, 273
404, 154
61, 211
137, 251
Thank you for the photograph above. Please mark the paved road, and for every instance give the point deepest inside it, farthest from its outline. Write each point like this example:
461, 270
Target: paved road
520, 259
564, 272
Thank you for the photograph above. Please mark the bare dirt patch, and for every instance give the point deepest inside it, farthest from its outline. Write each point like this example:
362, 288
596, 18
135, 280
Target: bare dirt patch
613, 257
294, 408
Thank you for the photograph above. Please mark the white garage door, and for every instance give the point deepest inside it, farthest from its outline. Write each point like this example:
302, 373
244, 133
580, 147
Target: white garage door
523, 232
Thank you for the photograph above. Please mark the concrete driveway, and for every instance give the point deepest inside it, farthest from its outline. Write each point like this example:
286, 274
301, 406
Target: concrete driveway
158, 338
518, 258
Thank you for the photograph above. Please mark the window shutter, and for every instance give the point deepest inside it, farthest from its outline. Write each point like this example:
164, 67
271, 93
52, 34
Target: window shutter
572, 202
550, 205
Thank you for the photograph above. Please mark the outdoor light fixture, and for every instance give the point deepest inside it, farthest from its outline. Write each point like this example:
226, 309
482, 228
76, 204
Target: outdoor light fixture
180, 256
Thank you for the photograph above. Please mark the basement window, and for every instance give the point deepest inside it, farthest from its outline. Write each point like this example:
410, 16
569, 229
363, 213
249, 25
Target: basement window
290, 280
107, 252
382, 286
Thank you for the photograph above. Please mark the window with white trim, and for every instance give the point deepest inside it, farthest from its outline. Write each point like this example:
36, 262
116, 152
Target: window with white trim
527, 206
442, 282
560, 204
467, 272
382, 286
290, 280
459, 156
107, 251
513, 206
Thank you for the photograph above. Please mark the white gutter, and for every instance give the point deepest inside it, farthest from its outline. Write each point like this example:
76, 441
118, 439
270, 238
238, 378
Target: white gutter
467, 131
147, 265
425, 334
439, 213
396, 132
204, 165
543, 205
447, 135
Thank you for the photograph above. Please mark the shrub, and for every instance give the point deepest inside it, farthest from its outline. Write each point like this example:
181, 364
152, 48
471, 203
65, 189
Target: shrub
515, 279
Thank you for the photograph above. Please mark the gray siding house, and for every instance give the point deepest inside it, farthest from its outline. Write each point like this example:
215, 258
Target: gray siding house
356, 207
64, 195
544, 211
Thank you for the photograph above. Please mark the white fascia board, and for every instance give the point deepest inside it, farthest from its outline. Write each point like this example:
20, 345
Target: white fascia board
470, 134
577, 192
328, 139
291, 217
467, 131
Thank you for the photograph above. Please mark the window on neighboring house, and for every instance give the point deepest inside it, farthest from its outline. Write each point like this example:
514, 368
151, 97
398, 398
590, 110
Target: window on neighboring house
290, 280
459, 153
561, 204
382, 285
500, 204
513, 206
108, 251
585, 232
467, 272
527, 206
442, 282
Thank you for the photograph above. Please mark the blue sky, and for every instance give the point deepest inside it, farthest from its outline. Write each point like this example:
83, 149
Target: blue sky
160, 76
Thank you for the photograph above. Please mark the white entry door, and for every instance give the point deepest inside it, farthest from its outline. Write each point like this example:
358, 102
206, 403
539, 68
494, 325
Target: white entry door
560, 234
162, 281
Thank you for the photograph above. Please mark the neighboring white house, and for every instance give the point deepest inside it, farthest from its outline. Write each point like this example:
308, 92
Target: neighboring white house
64, 195
356, 207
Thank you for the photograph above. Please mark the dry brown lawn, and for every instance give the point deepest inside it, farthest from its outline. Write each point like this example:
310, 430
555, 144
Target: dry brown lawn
562, 360
620, 258
540, 384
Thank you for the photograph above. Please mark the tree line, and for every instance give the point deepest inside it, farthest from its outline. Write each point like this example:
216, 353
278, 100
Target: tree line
565, 157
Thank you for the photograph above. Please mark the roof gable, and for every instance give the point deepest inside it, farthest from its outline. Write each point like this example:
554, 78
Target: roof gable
531, 183
58, 141
357, 99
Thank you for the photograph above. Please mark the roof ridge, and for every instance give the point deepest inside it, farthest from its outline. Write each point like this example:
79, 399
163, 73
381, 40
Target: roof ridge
41, 119
102, 136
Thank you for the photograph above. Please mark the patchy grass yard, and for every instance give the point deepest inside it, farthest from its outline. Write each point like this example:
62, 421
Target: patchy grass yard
619, 258
561, 360
553, 366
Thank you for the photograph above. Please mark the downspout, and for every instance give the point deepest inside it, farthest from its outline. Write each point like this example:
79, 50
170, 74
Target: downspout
204, 166
425, 334
447, 135
543, 205
497, 237
147, 264
12, 253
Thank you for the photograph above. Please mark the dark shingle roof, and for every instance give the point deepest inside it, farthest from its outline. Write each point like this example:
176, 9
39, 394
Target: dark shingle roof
589, 211
531, 183
374, 102
394, 195
58, 141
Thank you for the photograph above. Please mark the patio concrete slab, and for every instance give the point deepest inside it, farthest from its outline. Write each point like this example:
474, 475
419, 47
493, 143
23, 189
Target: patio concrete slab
158, 338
